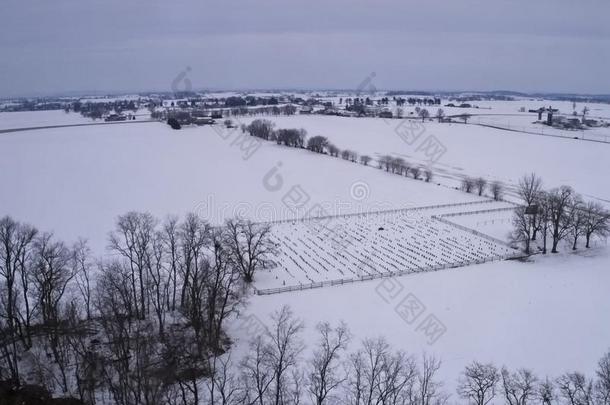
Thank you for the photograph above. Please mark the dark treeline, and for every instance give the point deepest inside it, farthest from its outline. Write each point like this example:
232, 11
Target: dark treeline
400, 101
143, 325
97, 110
556, 215
191, 115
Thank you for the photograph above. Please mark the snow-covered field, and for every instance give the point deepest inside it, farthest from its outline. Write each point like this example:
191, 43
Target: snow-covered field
549, 314
497, 224
470, 150
76, 181
28, 119
351, 248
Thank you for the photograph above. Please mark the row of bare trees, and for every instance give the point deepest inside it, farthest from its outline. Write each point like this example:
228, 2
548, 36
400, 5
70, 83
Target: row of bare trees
480, 186
144, 323
401, 167
297, 138
481, 383
287, 109
559, 214
265, 129
276, 370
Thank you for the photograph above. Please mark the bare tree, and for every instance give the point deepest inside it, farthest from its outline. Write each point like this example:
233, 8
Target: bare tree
221, 287
172, 257
333, 150
159, 280
15, 247
261, 128
195, 304
345, 154
440, 114
83, 270
194, 237
356, 382
250, 245
428, 175
602, 385
522, 227
285, 347
545, 392
543, 218
397, 165
125, 361
416, 172
297, 386
478, 383
257, 376
467, 184
576, 219
558, 202
386, 162
585, 111
317, 144
378, 376
398, 379
480, 184
365, 159
596, 221
465, 118
132, 240
519, 386
497, 190
428, 388
353, 157
51, 274
530, 191
223, 387
423, 113
575, 389
324, 375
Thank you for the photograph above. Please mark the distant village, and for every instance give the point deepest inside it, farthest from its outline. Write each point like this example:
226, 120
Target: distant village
202, 109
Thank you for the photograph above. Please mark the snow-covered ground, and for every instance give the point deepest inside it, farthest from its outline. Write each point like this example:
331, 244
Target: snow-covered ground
316, 252
497, 224
28, 119
469, 150
548, 314
76, 181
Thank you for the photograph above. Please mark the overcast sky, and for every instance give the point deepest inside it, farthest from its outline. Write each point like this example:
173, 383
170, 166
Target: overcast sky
64, 46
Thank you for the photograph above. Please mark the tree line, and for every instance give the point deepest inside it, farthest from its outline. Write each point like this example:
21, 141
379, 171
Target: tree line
297, 138
143, 325
557, 214
480, 186
275, 371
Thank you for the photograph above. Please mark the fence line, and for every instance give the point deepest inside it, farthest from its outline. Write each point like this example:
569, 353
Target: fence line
458, 214
376, 212
541, 133
472, 231
329, 283
439, 218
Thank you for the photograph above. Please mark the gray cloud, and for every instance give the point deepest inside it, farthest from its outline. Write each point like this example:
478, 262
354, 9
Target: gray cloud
68, 45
